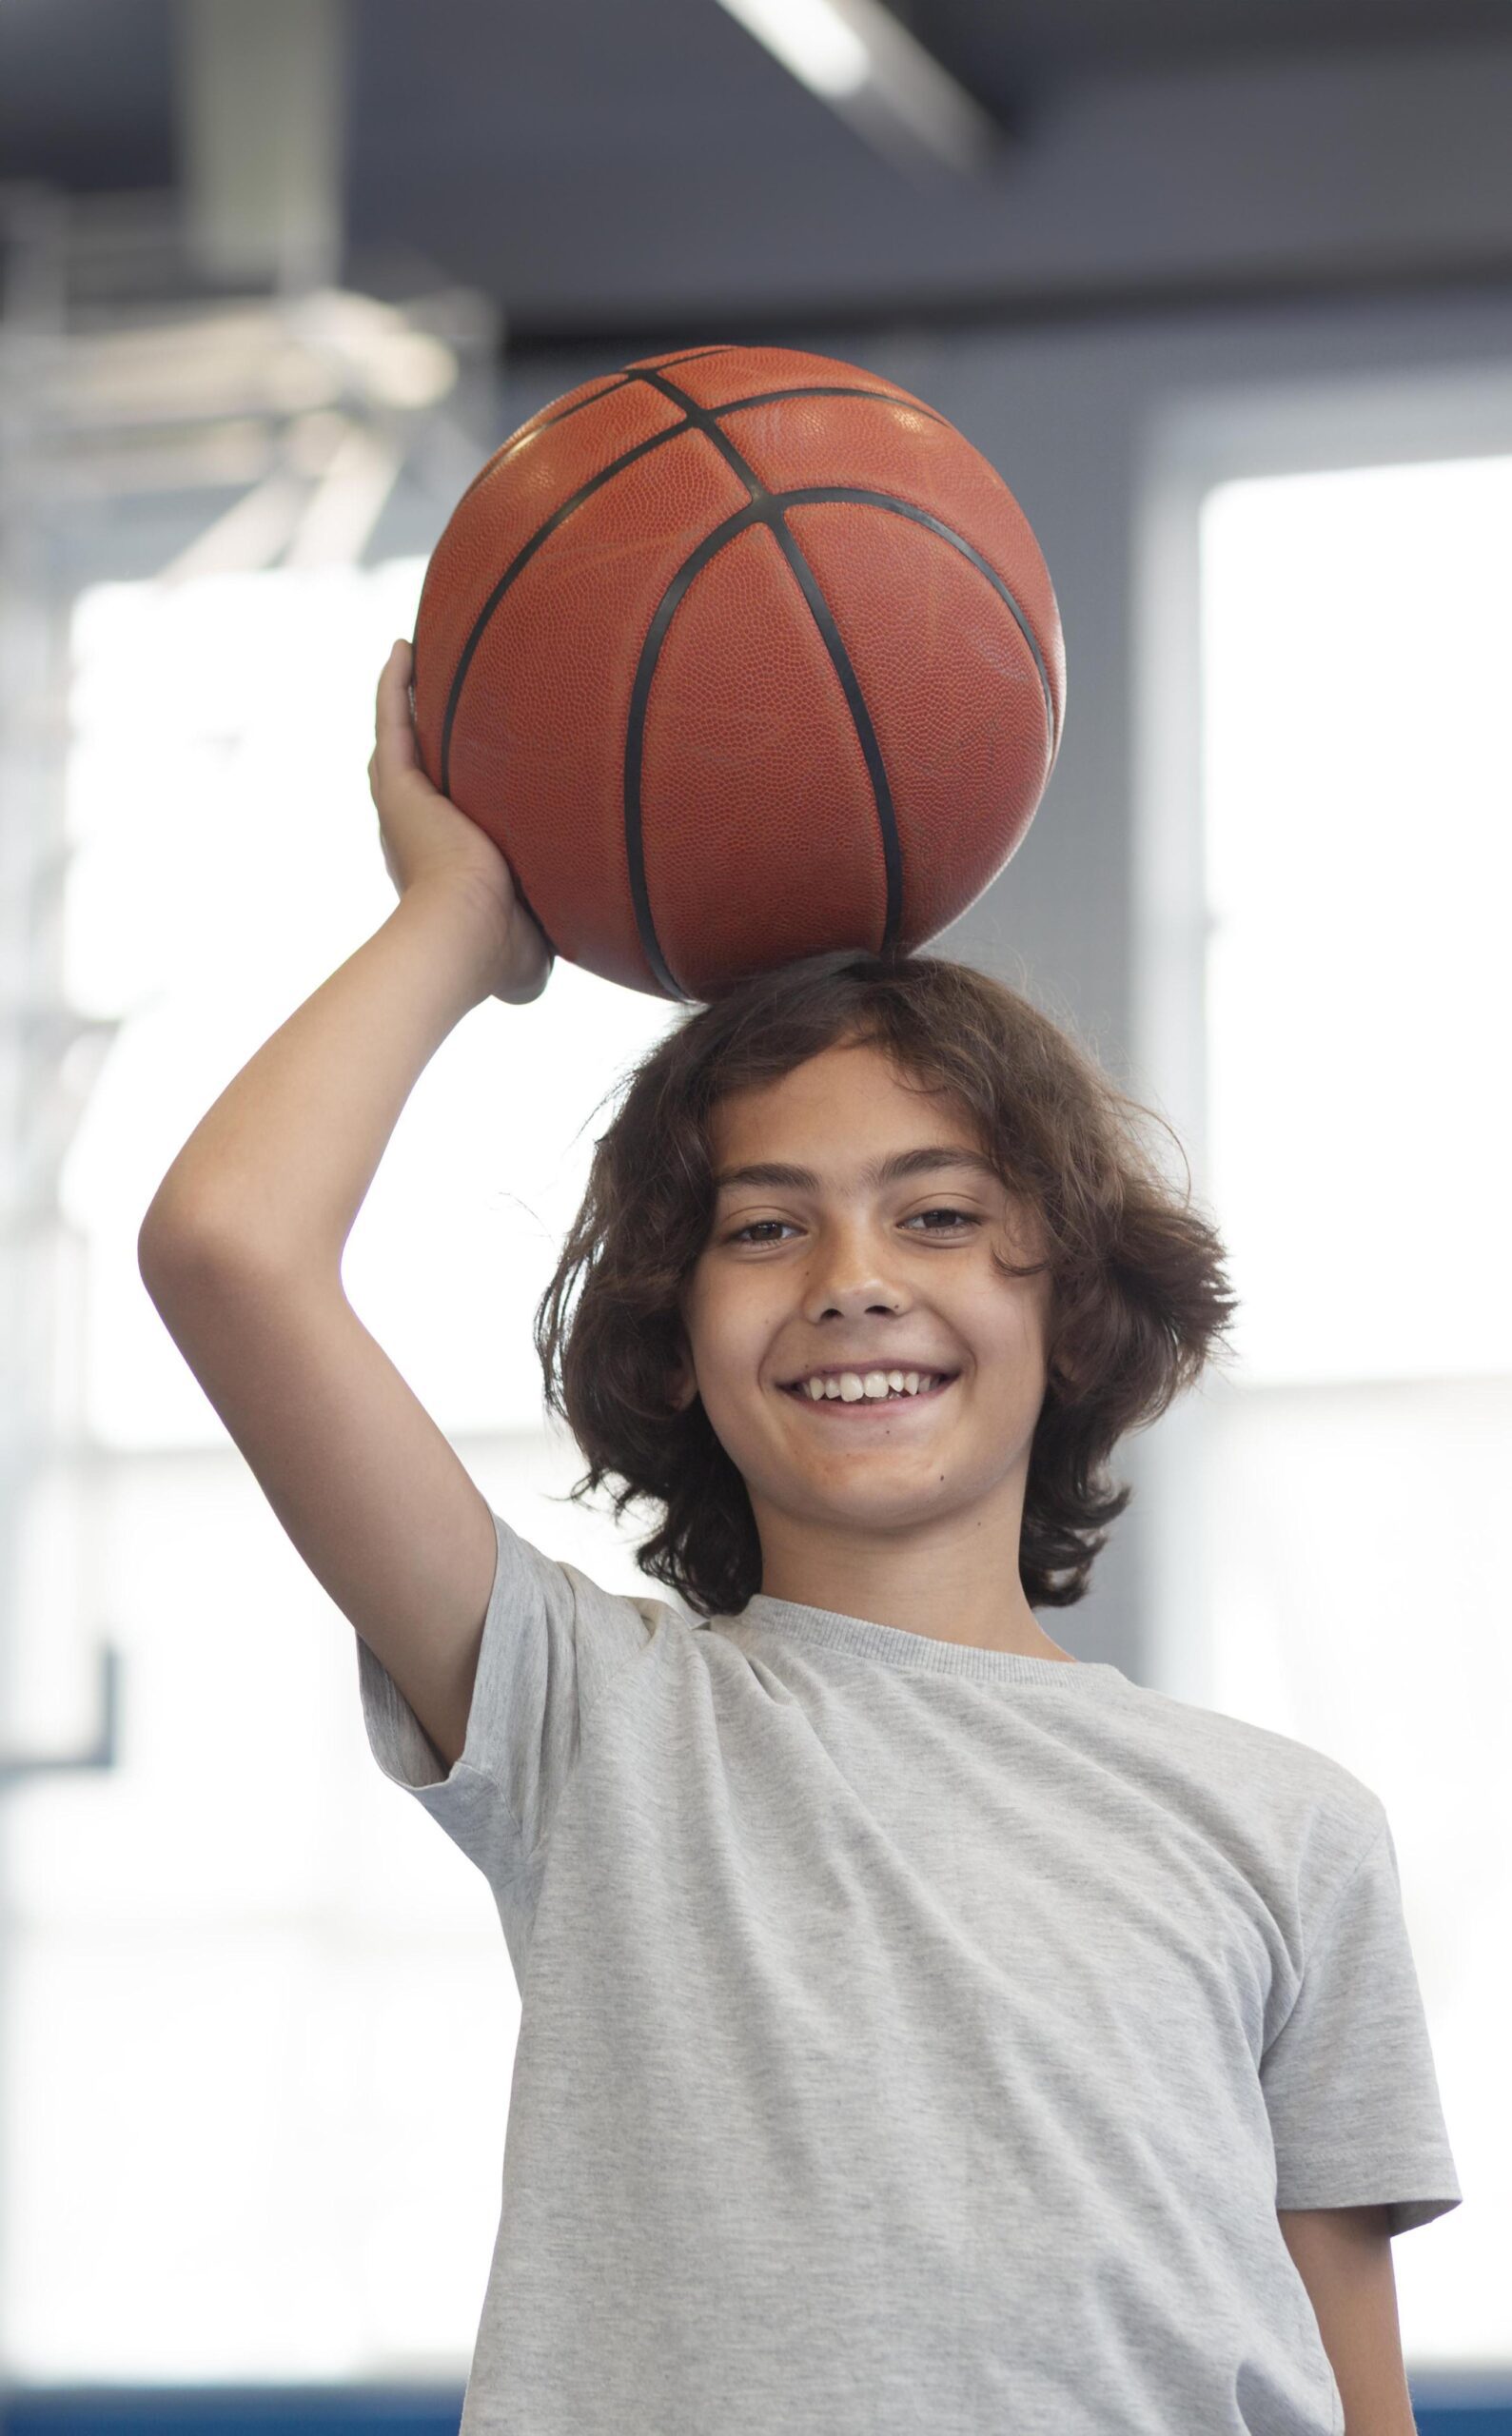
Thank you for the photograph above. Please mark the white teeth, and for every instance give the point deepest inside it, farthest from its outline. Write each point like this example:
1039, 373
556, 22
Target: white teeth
851, 1385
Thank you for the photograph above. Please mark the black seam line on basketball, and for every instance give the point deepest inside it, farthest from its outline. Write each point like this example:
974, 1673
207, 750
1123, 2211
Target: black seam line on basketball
737, 406
521, 560
839, 660
695, 415
506, 449
922, 516
769, 396
757, 512
703, 418
829, 635
669, 361
708, 419
862, 719
760, 511
548, 422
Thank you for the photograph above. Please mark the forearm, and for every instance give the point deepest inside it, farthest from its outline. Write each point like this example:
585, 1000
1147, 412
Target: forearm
1343, 2257
282, 1160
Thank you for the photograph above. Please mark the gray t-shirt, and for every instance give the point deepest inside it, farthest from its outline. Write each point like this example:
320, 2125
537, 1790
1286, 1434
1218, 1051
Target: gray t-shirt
913, 2037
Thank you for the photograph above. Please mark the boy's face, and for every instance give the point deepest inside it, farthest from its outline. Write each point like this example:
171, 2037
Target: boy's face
866, 1275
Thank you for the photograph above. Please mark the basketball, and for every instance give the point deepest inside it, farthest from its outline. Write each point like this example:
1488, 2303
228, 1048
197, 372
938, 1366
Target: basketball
738, 655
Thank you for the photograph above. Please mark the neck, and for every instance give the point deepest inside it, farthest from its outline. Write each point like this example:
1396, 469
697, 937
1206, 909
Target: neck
977, 1602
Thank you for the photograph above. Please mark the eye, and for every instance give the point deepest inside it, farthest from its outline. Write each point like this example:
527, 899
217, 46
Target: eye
964, 1218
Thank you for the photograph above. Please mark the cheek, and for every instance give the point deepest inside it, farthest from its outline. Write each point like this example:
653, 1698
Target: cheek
724, 1327
1018, 1336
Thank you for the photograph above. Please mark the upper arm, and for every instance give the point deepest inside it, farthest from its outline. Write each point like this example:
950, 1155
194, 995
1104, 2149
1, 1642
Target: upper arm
1343, 2257
378, 1505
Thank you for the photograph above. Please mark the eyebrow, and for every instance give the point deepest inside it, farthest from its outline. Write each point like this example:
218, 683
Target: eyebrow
926, 1160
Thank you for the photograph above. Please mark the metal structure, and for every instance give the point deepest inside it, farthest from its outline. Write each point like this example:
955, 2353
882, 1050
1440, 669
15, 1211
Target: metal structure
265, 429
151, 429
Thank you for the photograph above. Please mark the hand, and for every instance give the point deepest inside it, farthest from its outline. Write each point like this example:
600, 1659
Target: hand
426, 839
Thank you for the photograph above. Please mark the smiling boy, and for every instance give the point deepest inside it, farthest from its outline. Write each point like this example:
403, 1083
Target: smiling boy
922, 2029
904, 1506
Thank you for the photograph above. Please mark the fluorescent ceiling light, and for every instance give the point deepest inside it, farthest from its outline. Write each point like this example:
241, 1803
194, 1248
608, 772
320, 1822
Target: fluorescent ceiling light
811, 39
857, 56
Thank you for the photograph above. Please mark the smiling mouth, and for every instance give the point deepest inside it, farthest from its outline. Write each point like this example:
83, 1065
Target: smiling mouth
855, 1407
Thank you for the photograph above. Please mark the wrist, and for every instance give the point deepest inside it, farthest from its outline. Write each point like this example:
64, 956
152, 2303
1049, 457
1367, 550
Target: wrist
467, 931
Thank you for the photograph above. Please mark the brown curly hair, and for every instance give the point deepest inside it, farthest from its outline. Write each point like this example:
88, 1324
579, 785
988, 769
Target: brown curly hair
1140, 1296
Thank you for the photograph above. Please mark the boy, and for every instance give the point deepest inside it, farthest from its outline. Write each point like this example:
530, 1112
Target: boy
922, 2029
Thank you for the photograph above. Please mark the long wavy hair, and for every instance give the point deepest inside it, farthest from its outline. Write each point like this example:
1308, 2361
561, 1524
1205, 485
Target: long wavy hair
1140, 1297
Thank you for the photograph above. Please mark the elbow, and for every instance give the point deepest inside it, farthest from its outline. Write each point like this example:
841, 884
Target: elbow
179, 1240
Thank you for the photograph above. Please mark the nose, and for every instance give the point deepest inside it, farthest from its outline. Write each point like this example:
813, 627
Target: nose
846, 1277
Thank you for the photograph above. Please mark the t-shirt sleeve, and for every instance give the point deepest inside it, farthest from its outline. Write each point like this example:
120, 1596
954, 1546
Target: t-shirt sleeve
552, 1640
1349, 2079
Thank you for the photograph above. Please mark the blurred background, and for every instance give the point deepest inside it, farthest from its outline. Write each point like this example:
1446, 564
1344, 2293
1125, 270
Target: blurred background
1226, 295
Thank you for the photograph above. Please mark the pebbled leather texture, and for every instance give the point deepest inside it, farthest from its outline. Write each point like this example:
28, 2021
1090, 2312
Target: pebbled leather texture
715, 724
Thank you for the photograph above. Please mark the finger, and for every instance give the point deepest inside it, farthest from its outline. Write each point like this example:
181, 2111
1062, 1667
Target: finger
394, 726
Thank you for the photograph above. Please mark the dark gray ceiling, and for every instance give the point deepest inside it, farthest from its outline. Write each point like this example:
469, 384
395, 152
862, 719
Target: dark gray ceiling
85, 93
1000, 50
602, 167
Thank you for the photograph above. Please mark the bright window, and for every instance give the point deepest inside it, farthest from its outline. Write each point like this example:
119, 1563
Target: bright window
1357, 637
260, 2018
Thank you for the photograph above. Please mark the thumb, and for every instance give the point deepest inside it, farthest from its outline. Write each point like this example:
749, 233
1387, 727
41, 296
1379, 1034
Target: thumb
394, 719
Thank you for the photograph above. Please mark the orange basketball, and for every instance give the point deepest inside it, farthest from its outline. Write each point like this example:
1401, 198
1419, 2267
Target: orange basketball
738, 655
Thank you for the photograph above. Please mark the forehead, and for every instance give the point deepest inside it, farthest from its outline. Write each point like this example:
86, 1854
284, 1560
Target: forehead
836, 1111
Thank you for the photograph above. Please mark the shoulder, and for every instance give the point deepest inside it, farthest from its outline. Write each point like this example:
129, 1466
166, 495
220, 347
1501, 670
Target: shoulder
1186, 1721
1290, 1785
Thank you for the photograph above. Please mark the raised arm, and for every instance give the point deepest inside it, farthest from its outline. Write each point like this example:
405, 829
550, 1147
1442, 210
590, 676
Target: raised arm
241, 1247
